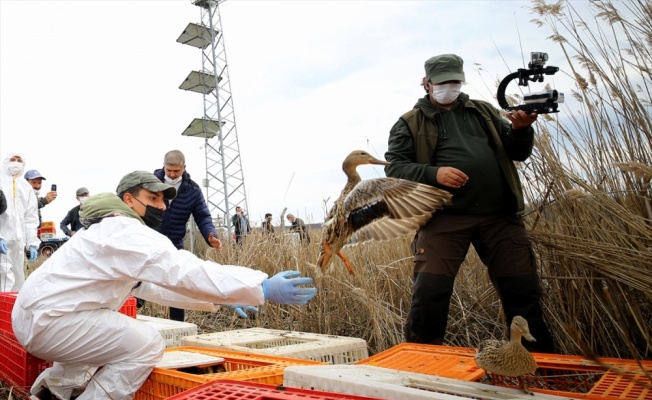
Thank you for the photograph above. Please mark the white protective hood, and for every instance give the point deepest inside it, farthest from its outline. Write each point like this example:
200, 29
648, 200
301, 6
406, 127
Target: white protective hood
20, 221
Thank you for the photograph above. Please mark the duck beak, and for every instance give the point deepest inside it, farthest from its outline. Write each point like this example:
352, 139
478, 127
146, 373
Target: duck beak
378, 162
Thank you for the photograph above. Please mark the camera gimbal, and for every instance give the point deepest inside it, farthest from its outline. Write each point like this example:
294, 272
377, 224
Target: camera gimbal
542, 102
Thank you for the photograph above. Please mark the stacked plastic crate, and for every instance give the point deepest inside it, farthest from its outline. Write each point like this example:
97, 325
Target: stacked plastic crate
171, 331
46, 231
187, 367
330, 349
415, 371
18, 368
231, 390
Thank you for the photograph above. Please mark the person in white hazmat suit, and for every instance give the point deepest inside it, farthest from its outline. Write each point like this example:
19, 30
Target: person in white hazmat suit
18, 224
67, 310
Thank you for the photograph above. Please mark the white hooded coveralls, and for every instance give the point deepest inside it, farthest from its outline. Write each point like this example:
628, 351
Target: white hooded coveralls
67, 310
18, 226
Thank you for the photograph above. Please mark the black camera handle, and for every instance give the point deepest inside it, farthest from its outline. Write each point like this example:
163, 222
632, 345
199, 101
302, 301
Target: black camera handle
536, 72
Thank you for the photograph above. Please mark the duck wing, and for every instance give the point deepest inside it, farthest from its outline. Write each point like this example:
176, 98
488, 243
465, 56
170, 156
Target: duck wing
384, 208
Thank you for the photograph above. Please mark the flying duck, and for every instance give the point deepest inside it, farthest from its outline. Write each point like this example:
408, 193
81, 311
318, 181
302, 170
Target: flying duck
375, 209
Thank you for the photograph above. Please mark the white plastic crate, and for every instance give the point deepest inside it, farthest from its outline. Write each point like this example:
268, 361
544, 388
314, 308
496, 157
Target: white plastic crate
171, 331
181, 359
392, 384
306, 346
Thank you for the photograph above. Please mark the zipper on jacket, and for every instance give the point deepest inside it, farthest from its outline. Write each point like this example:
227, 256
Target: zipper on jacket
441, 124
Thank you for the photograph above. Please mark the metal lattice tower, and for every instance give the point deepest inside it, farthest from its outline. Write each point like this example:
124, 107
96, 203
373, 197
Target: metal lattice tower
224, 181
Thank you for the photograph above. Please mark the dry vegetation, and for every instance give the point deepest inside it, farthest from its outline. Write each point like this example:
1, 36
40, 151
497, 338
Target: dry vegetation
590, 217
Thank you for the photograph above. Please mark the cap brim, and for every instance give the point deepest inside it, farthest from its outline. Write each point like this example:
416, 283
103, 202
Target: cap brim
169, 192
447, 76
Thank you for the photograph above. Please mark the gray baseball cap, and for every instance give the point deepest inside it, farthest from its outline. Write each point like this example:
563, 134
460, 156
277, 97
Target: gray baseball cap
445, 67
81, 191
33, 174
148, 181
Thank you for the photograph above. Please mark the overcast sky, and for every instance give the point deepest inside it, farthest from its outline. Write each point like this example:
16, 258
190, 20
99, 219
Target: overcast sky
90, 89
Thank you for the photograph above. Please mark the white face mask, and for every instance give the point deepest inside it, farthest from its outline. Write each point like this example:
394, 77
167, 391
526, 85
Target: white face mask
15, 167
173, 181
446, 93
83, 199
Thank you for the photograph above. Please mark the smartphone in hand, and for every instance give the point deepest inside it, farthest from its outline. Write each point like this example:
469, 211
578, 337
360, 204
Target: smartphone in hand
53, 188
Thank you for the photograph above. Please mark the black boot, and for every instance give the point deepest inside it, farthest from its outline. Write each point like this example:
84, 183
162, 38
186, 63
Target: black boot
521, 295
176, 314
431, 295
44, 394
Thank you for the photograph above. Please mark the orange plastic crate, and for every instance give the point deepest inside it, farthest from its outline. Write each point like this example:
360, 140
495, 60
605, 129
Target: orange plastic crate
445, 361
45, 229
237, 366
18, 368
232, 390
578, 377
129, 307
7, 300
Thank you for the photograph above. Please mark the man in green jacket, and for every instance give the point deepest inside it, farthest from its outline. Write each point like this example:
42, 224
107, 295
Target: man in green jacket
467, 148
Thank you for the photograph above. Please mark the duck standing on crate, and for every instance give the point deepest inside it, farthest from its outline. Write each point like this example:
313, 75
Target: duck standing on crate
67, 311
508, 358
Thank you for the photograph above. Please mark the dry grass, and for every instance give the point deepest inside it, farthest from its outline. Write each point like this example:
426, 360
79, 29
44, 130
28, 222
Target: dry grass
590, 217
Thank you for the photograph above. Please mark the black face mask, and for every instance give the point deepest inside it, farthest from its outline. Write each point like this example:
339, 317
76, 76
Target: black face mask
153, 216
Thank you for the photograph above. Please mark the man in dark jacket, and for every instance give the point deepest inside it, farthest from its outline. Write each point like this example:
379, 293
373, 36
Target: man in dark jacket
466, 147
299, 227
72, 218
189, 201
36, 180
241, 226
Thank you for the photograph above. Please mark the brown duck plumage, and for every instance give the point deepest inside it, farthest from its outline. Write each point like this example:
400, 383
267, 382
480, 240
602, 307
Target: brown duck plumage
508, 358
375, 209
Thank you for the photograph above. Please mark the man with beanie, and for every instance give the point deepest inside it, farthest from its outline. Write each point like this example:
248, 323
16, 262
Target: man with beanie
18, 224
466, 147
67, 311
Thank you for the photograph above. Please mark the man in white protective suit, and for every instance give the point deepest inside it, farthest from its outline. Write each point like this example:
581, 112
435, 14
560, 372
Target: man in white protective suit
67, 311
18, 224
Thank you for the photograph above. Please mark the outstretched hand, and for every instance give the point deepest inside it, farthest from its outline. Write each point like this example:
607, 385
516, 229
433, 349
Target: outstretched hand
285, 288
241, 310
214, 242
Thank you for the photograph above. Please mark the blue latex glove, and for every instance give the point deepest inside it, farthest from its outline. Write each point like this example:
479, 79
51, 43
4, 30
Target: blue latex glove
240, 310
33, 253
283, 288
3, 246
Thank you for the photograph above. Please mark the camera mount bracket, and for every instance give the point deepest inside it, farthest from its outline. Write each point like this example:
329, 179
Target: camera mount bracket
544, 102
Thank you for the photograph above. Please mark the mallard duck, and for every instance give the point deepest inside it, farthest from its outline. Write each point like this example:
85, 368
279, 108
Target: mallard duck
379, 209
508, 358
